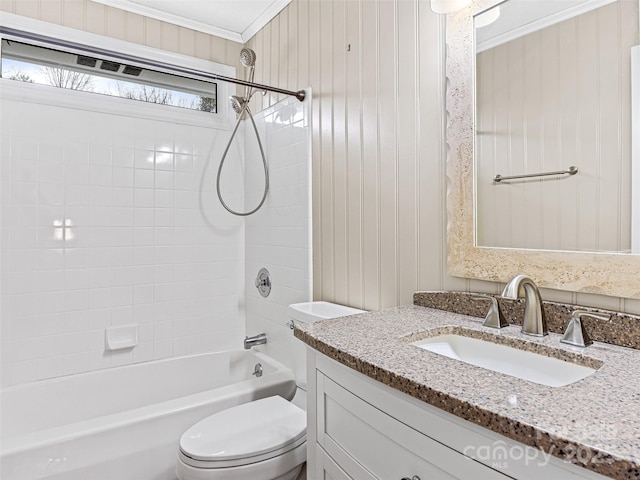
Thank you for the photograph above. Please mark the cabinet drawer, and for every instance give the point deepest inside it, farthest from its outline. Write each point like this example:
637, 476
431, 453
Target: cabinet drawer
369, 444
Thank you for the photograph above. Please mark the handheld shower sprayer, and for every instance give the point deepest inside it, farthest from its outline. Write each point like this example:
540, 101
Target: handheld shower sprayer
247, 57
240, 105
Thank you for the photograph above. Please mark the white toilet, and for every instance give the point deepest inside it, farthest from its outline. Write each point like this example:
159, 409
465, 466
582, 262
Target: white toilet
261, 440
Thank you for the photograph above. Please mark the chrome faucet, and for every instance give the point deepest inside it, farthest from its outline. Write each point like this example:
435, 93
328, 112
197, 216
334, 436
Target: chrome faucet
259, 339
534, 321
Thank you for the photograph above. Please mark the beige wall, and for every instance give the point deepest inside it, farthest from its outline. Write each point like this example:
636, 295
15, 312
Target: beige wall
112, 22
379, 189
376, 68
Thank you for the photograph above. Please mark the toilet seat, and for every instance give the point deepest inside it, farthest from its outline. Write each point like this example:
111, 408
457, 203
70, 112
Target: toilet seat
244, 434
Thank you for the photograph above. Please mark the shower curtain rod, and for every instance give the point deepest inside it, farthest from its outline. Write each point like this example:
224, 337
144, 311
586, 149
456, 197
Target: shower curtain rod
300, 94
8, 33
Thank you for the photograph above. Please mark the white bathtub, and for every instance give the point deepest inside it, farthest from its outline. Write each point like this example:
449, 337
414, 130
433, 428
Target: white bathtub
125, 423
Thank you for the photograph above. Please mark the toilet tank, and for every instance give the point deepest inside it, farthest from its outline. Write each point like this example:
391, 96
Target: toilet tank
309, 312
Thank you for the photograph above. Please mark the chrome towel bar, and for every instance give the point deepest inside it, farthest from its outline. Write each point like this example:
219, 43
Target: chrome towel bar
572, 171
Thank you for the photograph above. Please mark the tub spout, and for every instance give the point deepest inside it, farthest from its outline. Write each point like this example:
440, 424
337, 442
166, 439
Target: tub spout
259, 339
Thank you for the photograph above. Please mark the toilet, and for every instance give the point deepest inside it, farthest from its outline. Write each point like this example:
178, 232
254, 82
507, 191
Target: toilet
265, 439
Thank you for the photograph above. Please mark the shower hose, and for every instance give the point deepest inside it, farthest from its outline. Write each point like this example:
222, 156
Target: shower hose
245, 108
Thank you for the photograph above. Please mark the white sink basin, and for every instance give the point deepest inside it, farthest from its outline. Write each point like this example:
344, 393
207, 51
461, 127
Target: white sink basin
511, 361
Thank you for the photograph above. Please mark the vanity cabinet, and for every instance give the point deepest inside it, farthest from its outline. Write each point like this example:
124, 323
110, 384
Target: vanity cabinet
361, 429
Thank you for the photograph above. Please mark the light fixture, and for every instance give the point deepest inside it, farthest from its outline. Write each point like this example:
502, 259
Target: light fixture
488, 17
448, 6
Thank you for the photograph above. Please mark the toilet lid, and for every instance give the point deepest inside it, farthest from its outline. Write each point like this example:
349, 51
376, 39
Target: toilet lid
248, 430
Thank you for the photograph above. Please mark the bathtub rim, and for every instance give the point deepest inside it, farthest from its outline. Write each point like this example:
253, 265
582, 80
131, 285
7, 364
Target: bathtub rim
20, 443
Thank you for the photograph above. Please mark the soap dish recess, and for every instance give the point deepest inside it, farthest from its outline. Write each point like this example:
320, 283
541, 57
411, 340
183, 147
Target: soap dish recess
121, 337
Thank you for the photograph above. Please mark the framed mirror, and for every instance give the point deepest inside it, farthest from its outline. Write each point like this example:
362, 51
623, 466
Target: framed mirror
507, 117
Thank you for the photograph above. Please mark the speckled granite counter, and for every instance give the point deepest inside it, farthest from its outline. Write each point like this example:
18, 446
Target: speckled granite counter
599, 415
621, 329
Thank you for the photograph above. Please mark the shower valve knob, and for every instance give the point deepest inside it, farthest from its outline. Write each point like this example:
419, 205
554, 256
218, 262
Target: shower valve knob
263, 282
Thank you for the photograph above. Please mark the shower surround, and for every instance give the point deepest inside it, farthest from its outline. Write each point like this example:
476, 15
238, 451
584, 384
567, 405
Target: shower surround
103, 225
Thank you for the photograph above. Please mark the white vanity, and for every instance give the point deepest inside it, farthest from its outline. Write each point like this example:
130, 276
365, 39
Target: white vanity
373, 408
365, 430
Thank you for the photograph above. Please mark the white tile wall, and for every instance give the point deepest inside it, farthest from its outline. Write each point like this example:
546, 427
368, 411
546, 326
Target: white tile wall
278, 236
102, 225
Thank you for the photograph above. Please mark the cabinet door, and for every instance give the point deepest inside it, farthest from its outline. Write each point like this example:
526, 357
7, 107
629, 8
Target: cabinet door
368, 443
327, 469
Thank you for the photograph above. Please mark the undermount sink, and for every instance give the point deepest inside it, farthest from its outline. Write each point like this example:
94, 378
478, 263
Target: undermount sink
503, 359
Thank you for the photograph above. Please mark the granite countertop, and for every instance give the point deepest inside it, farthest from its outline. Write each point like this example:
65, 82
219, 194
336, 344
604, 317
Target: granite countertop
598, 416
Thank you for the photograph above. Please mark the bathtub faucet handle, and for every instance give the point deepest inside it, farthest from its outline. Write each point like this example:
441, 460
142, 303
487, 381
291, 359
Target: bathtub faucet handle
259, 339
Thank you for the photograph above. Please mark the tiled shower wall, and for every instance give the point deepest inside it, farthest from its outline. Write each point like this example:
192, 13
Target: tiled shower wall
278, 236
103, 225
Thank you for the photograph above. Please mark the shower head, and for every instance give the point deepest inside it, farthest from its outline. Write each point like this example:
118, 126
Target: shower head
247, 57
237, 103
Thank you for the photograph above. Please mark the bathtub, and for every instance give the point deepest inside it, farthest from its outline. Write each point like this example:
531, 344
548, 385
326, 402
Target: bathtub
124, 423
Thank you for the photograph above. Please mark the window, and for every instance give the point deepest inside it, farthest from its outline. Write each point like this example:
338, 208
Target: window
34, 64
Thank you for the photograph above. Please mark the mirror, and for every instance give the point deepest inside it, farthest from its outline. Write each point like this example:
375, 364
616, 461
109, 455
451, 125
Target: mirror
553, 91
552, 263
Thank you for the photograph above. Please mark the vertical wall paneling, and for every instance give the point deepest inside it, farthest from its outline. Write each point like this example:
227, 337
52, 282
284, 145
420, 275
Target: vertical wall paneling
315, 66
568, 132
407, 116
378, 144
375, 68
610, 112
371, 148
283, 47
588, 130
26, 9
73, 17
292, 51
328, 125
115, 23
302, 38
354, 151
51, 11
340, 163
97, 18
388, 141
549, 77
274, 52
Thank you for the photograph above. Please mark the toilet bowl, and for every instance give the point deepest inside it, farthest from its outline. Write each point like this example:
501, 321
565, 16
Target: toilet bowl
261, 440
